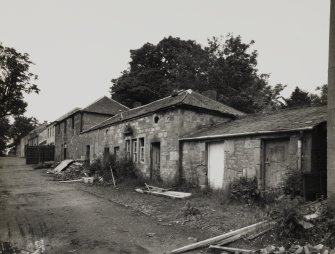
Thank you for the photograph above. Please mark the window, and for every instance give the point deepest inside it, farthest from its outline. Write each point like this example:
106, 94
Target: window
141, 143
134, 148
128, 148
73, 122
106, 153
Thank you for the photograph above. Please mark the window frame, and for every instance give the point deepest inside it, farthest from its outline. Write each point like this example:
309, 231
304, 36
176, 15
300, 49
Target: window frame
141, 147
134, 150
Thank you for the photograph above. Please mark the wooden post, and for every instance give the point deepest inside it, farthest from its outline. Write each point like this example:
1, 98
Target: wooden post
331, 111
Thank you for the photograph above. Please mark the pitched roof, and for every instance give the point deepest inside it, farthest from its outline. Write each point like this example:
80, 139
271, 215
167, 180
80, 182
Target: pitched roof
73, 111
103, 105
283, 121
184, 97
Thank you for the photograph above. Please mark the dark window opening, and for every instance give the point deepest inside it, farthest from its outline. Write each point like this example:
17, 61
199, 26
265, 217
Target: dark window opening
156, 119
141, 146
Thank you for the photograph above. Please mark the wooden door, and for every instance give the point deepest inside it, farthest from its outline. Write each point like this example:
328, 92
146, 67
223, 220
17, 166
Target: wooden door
216, 165
155, 161
275, 162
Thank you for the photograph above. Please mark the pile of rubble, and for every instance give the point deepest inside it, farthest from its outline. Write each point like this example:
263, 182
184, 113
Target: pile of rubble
73, 171
298, 249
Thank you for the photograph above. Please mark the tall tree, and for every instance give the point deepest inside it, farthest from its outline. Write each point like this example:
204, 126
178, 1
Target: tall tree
234, 75
15, 81
225, 66
4, 134
301, 98
21, 127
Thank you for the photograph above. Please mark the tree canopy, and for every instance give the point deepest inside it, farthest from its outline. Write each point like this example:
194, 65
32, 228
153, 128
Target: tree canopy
15, 81
21, 127
226, 65
301, 98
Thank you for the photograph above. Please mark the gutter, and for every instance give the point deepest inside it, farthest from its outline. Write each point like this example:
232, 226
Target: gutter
244, 134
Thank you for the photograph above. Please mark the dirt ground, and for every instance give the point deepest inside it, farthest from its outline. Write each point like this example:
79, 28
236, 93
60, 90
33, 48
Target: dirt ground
39, 213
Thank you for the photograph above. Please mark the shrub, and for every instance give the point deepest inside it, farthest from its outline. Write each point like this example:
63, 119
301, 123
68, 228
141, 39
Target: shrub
293, 184
288, 215
244, 189
122, 167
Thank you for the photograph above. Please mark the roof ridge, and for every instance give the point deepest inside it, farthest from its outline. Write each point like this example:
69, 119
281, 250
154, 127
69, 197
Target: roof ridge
100, 98
111, 99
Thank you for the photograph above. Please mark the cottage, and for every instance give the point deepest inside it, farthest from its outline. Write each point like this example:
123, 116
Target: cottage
69, 126
266, 146
150, 134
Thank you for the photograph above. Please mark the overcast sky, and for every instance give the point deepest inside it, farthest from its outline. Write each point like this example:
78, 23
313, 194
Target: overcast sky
78, 46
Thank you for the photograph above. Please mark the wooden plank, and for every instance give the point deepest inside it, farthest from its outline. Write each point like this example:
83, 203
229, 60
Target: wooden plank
229, 249
230, 239
216, 239
71, 181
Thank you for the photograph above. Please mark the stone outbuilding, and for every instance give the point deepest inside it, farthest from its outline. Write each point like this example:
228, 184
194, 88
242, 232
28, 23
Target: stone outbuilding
150, 134
68, 127
266, 146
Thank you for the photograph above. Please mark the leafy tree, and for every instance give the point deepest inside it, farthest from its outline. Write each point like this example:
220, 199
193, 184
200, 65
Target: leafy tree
15, 81
225, 66
298, 98
156, 70
301, 98
4, 134
234, 75
21, 127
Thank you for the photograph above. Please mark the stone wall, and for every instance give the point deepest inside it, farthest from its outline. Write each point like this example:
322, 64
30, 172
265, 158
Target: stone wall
243, 157
72, 138
171, 125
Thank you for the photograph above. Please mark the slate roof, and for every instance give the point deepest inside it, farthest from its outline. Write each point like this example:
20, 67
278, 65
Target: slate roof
283, 121
70, 113
184, 97
103, 105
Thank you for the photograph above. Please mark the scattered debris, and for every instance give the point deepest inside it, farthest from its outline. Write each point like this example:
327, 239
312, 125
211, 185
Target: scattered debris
74, 171
297, 249
71, 181
229, 249
163, 192
88, 179
62, 166
190, 210
150, 234
240, 232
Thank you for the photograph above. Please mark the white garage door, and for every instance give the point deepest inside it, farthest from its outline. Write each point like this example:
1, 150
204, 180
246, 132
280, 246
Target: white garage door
215, 165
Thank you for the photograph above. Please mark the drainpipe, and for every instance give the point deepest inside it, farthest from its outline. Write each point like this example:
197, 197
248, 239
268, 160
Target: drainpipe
331, 111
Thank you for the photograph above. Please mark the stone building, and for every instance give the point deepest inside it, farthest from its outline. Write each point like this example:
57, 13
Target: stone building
69, 126
266, 146
150, 134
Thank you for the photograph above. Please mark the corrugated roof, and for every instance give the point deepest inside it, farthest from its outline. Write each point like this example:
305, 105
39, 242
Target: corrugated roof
283, 121
184, 97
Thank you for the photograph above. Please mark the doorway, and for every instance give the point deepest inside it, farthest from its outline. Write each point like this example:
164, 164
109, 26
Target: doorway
155, 161
275, 162
216, 165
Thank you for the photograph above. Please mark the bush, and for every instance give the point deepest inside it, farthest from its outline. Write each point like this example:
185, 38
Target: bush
293, 184
122, 167
244, 189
